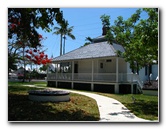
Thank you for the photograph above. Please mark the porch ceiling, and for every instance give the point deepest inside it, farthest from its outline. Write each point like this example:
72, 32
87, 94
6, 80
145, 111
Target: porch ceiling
94, 50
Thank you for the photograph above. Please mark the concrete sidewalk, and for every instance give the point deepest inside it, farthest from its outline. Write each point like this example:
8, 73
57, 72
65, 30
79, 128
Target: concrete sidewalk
110, 109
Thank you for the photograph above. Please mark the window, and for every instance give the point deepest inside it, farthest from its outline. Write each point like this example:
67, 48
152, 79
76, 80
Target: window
101, 65
148, 69
109, 60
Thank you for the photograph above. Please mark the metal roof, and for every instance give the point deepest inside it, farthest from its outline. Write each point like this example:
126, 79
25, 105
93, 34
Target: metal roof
93, 50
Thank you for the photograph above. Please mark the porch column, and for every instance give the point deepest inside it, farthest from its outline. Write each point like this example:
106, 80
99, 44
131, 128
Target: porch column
132, 83
92, 86
56, 76
72, 78
117, 69
117, 76
132, 92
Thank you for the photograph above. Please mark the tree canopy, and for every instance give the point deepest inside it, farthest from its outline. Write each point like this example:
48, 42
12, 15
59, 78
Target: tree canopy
24, 22
22, 30
139, 37
105, 20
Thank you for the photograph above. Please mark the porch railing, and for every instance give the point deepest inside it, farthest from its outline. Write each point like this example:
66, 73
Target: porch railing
59, 76
102, 77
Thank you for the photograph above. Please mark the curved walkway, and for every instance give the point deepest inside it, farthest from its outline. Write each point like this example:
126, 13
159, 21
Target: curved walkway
110, 109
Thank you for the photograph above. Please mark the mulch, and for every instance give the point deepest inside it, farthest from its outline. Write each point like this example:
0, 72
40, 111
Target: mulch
153, 84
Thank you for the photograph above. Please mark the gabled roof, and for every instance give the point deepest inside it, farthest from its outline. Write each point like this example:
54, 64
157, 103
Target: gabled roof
93, 50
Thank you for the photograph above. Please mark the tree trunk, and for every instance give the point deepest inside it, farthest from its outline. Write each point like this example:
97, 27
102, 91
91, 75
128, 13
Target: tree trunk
61, 45
64, 45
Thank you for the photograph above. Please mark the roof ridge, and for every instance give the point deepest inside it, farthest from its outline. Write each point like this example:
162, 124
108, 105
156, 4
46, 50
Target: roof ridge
113, 47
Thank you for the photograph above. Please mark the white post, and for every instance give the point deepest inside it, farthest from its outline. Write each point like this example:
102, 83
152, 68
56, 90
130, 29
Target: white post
72, 79
132, 83
132, 89
117, 69
92, 87
117, 76
97, 66
92, 69
56, 76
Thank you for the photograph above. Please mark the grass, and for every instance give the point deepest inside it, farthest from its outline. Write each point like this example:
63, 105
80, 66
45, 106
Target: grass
27, 83
79, 108
145, 106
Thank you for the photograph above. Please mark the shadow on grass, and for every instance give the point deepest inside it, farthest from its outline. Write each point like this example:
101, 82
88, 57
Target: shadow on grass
22, 109
148, 108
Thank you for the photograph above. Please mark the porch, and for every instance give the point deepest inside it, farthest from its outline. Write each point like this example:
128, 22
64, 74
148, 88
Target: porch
95, 77
108, 72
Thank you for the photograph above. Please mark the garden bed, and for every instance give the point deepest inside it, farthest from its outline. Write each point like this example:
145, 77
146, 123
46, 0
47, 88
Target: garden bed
151, 88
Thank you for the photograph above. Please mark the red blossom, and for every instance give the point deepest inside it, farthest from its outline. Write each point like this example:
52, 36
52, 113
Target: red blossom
13, 26
20, 42
37, 57
43, 61
40, 36
28, 56
30, 52
41, 55
49, 61
38, 62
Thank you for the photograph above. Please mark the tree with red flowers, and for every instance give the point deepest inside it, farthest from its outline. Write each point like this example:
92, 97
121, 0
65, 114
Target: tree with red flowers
22, 30
37, 57
17, 50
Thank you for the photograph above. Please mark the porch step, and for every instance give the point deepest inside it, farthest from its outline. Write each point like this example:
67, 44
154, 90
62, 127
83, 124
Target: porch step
139, 83
139, 89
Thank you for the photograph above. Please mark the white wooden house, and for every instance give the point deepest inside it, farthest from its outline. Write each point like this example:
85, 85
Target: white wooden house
95, 67
149, 71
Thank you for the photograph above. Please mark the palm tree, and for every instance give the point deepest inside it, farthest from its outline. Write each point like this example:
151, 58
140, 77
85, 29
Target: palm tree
68, 32
57, 32
64, 31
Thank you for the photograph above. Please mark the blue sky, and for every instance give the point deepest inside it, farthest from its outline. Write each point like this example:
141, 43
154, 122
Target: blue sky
86, 22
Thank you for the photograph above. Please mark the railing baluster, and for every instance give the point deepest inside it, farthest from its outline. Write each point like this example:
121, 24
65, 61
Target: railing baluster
103, 77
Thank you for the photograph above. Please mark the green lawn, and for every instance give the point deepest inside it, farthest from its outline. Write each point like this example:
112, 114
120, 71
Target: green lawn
145, 106
79, 108
27, 83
